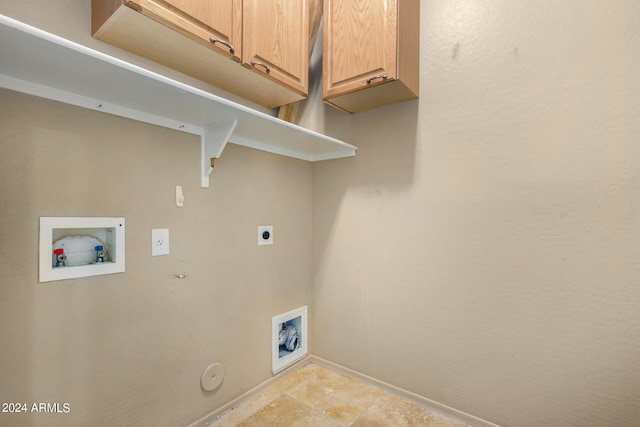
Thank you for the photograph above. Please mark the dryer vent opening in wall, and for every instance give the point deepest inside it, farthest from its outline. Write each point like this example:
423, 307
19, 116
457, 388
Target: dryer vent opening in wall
289, 338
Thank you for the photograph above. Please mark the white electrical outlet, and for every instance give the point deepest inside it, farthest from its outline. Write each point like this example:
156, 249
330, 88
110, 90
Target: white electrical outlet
265, 235
159, 241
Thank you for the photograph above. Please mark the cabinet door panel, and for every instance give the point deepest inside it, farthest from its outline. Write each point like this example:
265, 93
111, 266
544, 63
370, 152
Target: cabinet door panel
275, 37
202, 19
359, 43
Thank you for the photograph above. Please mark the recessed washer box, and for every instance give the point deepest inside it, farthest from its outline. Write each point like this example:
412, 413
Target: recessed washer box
72, 247
289, 338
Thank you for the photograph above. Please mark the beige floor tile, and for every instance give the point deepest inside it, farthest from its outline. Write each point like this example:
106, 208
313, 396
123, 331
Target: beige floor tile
393, 411
315, 396
337, 395
309, 371
288, 412
245, 410
267, 396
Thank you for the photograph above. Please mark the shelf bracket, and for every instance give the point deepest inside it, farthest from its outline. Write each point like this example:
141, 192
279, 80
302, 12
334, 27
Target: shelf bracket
213, 141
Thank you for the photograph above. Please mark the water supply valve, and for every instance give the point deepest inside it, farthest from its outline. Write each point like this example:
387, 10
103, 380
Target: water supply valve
61, 258
100, 253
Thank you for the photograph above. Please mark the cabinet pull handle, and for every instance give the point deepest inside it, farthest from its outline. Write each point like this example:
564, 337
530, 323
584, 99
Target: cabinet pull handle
254, 63
382, 76
231, 49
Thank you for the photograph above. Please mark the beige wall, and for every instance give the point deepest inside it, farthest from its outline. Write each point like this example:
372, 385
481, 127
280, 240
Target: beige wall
482, 249
129, 349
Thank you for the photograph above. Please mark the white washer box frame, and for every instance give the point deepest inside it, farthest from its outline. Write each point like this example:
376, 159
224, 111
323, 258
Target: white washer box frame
49, 273
279, 363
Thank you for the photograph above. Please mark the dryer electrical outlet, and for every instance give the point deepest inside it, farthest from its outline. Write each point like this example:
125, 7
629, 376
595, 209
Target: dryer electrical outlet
265, 235
159, 241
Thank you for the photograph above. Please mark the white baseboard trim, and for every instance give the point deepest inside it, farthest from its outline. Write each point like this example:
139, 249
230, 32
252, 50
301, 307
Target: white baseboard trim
432, 406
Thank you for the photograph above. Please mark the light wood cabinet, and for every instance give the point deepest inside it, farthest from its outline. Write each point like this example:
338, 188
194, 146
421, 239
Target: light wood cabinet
370, 53
220, 20
206, 39
275, 36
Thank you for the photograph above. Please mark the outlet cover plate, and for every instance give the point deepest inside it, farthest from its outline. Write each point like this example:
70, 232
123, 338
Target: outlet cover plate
159, 241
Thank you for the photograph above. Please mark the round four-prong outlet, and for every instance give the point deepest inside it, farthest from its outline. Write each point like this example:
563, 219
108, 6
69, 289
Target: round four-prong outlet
265, 235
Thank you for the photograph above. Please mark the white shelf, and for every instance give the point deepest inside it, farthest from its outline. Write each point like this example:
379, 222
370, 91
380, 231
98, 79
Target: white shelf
39, 63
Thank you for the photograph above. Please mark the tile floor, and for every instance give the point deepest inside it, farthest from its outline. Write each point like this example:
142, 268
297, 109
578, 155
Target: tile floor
317, 396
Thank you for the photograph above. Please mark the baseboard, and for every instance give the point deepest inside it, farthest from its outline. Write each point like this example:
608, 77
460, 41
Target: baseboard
432, 406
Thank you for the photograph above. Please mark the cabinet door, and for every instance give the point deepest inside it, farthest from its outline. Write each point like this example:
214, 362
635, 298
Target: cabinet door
359, 44
202, 20
275, 40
